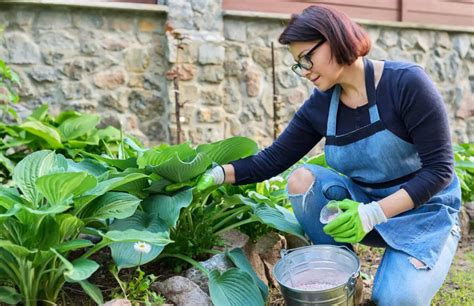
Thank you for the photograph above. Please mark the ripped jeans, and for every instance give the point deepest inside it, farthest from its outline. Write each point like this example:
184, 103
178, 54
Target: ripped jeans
398, 281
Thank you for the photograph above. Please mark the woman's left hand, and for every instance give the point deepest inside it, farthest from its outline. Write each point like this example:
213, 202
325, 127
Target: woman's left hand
355, 222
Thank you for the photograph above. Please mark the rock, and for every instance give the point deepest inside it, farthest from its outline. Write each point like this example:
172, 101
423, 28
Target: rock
219, 262
182, 292
137, 59
253, 80
110, 79
209, 115
43, 74
461, 44
213, 74
233, 239
210, 53
469, 206
232, 96
22, 50
87, 20
235, 30
464, 224
118, 302
262, 56
53, 19
76, 90
288, 79
146, 104
211, 97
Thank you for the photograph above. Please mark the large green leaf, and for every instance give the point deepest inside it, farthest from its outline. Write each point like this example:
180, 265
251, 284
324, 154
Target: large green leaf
59, 188
72, 245
123, 253
9, 197
177, 170
75, 127
91, 166
168, 207
47, 133
239, 259
69, 225
79, 270
40, 112
225, 151
158, 155
33, 166
93, 291
10, 296
234, 287
17, 251
6, 162
279, 218
118, 205
120, 164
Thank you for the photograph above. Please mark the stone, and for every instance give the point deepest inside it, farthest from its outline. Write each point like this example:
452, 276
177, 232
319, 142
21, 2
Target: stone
78, 68
76, 90
442, 39
469, 209
87, 20
397, 54
213, 74
233, 239
408, 39
180, 13
218, 261
116, 101
209, 115
85, 106
435, 69
186, 53
145, 104
253, 81
156, 130
182, 292
288, 79
110, 79
118, 302
189, 93
211, 97
423, 42
43, 74
203, 134
121, 22
388, 38
22, 50
233, 68
115, 43
378, 53
136, 80
297, 96
53, 19
186, 72
137, 59
59, 41
262, 56
463, 101
232, 127
461, 44
210, 53
453, 67
149, 25
232, 96
464, 224
235, 30
154, 81
51, 57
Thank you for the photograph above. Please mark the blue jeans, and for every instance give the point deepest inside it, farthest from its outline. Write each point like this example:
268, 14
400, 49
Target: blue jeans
398, 281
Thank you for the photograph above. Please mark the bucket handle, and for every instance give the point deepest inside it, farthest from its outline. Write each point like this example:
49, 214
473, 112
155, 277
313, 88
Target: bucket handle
284, 252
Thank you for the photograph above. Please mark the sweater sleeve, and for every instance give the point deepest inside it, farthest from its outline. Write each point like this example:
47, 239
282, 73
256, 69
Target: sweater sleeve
295, 141
424, 115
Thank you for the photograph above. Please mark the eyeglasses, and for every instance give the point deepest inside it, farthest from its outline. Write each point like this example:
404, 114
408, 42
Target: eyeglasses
304, 62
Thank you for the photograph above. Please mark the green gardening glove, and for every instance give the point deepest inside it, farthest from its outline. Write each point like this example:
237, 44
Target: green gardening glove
355, 222
212, 177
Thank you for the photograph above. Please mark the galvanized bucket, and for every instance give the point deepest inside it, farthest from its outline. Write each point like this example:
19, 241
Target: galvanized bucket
317, 275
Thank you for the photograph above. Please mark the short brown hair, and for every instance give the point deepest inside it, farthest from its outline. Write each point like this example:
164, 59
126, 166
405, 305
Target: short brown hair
347, 39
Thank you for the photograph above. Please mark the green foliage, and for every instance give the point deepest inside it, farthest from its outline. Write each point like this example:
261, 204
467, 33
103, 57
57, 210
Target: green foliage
464, 167
9, 85
137, 288
41, 219
70, 133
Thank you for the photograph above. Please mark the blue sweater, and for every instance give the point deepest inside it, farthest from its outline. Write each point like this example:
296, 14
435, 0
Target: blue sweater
410, 106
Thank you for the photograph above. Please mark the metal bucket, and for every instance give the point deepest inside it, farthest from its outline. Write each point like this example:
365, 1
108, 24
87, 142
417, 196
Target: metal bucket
317, 275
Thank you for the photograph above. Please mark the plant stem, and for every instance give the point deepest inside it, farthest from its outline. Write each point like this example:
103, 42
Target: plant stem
235, 213
235, 225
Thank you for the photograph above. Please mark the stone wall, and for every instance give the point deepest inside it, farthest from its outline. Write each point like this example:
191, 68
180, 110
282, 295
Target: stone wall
115, 63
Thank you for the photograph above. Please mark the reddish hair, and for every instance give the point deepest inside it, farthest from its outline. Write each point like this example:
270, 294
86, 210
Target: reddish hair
347, 39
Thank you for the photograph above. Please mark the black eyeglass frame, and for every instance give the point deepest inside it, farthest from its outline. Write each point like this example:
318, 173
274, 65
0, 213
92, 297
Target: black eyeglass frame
307, 57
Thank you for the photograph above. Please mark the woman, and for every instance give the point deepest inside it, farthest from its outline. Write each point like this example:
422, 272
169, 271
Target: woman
387, 132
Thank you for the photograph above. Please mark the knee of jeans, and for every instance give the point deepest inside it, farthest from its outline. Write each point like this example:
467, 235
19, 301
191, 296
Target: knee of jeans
300, 181
335, 192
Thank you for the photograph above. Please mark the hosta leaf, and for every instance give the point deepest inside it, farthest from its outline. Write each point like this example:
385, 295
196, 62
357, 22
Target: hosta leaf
89, 165
59, 188
118, 205
16, 250
72, 245
239, 259
47, 133
10, 296
93, 291
234, 287
40, 112
9, 197
75, 127
69, 225
279, 218
123, 253
133, 235
82, 269
33, 166
46, 210
177, 170
225, 151
6, 162
168, 207
158, 155
109, 134
120, 164
11, 212
63, 116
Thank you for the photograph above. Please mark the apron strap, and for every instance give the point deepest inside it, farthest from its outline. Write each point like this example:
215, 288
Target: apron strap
332, 116
370, 90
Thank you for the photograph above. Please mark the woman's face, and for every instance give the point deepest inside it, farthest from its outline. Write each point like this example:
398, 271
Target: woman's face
325, 71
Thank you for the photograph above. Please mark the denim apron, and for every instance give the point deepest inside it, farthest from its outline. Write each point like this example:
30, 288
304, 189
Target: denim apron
377, 163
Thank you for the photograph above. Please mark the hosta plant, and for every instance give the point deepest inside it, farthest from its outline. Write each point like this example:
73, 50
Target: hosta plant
53, 201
